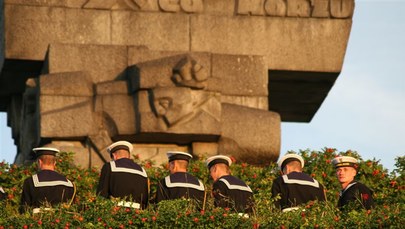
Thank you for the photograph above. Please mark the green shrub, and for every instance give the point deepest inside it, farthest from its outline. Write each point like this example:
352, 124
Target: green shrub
90, 211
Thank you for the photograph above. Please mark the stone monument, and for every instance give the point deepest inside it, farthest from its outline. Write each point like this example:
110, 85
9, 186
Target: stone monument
205, 76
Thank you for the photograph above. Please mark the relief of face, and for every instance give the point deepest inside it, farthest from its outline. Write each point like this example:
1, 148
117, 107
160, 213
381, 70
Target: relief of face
173, 104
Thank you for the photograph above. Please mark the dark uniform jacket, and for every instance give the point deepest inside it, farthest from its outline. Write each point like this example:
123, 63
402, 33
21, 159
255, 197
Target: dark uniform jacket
46, 187
124, 178
231, 192
356, 192
296, 188
179, 185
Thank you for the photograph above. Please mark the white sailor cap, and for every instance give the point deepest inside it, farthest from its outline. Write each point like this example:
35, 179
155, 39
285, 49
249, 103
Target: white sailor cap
288, 158
211, 161
39, 151
178, 155
120, 145
344, 161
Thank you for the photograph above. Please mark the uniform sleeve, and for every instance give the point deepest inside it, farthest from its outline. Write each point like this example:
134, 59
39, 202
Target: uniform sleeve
276, 190
220, 193
26, 196
103, 184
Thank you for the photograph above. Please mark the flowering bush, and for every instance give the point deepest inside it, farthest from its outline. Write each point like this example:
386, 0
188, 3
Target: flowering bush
91, 211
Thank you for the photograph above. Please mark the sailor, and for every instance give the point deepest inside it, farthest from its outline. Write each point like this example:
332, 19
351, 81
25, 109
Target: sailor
294, 186
229, 191
124, 179
352, 191
180, 184
48, 187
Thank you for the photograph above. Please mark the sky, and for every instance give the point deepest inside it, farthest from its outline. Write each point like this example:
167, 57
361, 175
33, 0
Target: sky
365, 109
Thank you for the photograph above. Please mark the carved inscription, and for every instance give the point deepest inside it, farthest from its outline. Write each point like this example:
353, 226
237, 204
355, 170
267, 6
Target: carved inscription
277, 8
297, 8
188, 6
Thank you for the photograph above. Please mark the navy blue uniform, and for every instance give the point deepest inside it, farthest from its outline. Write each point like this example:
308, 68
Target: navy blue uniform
231, 192
295, 189
124, 178
356, 192
46, 187
180, 185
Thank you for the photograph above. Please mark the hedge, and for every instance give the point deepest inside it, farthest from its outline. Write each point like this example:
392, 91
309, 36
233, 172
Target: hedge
91, 211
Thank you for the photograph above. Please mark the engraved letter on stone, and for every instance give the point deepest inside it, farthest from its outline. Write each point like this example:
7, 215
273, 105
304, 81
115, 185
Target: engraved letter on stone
275, 8
341, 8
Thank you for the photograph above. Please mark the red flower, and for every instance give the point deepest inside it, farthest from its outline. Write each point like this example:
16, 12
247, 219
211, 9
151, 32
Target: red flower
144, 219
195, 220
376, 172
39, 222
364, 196
153, 218
393, 183
212, 217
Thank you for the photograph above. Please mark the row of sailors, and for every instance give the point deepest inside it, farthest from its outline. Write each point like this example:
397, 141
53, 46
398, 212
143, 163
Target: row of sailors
123, 178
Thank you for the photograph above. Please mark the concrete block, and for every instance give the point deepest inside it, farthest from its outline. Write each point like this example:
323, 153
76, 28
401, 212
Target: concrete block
54, 3
258, 102
65, 116
250, 135
66, 83
112, 87
204, 149
228, 35
34, 28
2, 32
223, 7
289, 43
241, 75
157, 31
102, 62
312, 44
119, 113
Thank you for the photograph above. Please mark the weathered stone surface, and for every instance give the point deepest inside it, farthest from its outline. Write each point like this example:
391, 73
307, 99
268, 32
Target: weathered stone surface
65, 116
288, 43
170, 32
14, 116
112, 87
66, 83
308, 45
204, 149
102, 62
99, 142
244, 35
34, 28
57, 3
258, 102
156, 152
119, 113
250, 135
29, 136
140, 54
241, 75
